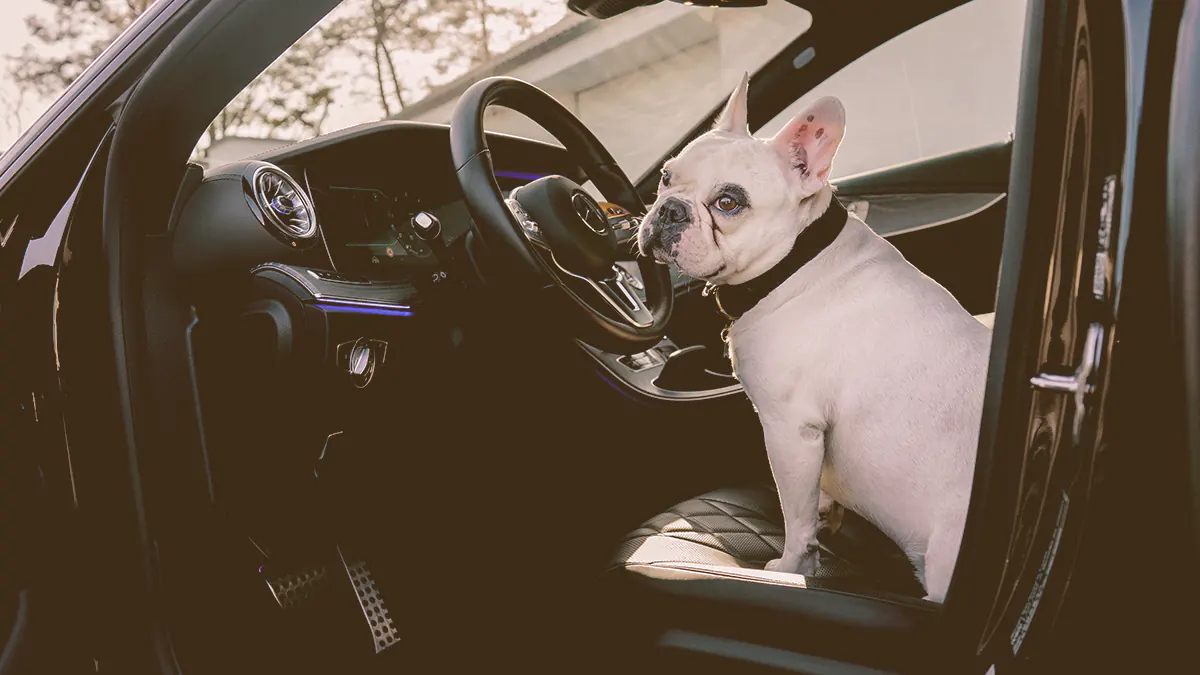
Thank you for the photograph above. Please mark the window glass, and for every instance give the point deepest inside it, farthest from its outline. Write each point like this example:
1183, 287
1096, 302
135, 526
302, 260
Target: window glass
638, 81
45, 45
641, 80
942, 86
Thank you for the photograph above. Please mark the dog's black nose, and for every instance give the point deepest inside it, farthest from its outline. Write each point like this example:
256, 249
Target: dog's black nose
676, 212
670, 221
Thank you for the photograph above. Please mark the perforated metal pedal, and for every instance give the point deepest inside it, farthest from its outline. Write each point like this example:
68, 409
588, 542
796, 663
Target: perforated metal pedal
297, 589
379, 621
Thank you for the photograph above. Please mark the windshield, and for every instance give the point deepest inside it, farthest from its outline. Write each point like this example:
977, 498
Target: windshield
639, 81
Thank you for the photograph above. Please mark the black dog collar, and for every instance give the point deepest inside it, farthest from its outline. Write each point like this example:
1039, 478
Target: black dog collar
735, 300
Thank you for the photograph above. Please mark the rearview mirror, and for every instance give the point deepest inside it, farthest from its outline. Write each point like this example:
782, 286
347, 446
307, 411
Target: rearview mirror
604, 9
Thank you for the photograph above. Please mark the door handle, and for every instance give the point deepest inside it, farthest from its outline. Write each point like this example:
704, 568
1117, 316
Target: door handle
1082, 383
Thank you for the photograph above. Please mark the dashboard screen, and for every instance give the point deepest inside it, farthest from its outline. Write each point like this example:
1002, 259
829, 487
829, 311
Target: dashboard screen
373, 226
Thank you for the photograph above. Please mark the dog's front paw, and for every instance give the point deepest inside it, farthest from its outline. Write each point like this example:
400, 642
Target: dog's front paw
806, 564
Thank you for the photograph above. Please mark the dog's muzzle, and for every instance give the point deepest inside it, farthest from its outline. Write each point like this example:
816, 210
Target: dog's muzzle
666, 228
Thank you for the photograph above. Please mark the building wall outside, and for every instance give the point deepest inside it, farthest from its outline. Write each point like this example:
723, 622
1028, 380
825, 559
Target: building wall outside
946, 85
641, 80
234, 148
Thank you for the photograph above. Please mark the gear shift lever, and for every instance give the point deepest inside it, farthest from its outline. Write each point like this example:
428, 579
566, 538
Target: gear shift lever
429, 229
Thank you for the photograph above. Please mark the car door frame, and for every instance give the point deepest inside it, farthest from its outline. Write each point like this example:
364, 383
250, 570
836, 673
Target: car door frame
42, 173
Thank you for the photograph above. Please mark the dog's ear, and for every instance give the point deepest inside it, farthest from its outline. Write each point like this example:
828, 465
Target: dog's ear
733, 117
811, 139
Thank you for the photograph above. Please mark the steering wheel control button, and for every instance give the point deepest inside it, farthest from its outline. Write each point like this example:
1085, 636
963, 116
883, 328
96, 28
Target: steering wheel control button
426, 225
528, 226
630, 279
572, 225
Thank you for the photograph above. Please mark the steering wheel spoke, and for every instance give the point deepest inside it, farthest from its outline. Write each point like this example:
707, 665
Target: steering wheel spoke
619, 293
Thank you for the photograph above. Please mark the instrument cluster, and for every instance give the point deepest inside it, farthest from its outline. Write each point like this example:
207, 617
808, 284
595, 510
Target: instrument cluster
372, 230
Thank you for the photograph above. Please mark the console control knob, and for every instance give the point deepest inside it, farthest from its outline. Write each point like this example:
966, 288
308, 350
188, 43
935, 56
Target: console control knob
359, 358
426, 225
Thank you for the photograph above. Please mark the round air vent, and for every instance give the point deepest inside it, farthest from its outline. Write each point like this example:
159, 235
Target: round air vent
284, 203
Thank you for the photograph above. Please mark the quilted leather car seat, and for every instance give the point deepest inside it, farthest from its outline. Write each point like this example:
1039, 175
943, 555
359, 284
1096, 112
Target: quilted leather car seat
689, 584
743, 528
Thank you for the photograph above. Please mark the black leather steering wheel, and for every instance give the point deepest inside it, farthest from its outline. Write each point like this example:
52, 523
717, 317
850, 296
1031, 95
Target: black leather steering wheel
552, 227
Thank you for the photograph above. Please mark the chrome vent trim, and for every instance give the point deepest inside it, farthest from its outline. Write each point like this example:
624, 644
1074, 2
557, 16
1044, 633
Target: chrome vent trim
285, 205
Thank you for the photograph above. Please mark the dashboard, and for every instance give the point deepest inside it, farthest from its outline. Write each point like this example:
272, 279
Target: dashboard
367, 184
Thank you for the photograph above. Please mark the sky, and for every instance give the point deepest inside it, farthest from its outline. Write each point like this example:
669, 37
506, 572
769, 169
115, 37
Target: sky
13, 37
348, 110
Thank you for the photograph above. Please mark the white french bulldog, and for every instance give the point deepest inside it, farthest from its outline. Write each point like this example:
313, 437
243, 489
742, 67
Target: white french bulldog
867, 375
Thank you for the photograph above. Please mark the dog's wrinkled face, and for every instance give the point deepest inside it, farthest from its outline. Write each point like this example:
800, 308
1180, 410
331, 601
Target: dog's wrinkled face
729, 204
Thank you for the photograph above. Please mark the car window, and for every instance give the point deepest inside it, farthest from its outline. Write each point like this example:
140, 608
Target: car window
638, 80
942, 86
642, 79
45, 45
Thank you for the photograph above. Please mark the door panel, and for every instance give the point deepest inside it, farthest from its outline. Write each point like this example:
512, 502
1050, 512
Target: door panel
945, 214
1054, 326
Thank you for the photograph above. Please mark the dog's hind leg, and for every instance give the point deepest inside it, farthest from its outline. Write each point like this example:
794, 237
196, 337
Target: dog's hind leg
829, 513
796, 456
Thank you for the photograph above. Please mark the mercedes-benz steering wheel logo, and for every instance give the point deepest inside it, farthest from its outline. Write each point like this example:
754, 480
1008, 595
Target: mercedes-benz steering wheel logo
589, 212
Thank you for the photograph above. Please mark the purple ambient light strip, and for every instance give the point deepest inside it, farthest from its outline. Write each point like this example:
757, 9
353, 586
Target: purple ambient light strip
351, 307
521, 175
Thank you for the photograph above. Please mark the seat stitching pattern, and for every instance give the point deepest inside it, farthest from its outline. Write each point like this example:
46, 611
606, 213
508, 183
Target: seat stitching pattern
744, 524
701, 528
728, 523
718, 549
714, 500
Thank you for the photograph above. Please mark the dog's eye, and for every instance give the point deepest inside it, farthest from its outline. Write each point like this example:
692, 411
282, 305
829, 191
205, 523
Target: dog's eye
727, 204
666, 178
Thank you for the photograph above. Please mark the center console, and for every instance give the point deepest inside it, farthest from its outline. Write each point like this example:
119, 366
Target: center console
668, 371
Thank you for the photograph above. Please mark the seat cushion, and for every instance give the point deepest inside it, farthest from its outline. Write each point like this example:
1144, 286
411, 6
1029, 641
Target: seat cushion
743, 527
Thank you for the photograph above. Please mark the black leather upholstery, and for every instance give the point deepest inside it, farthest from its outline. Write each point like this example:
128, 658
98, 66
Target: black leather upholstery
743, 528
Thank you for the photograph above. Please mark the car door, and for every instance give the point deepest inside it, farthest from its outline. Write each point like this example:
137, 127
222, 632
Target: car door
1055, 323
51, 505
1106, 405
1065, 449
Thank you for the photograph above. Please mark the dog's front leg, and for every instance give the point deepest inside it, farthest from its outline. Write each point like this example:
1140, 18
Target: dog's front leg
796, 456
